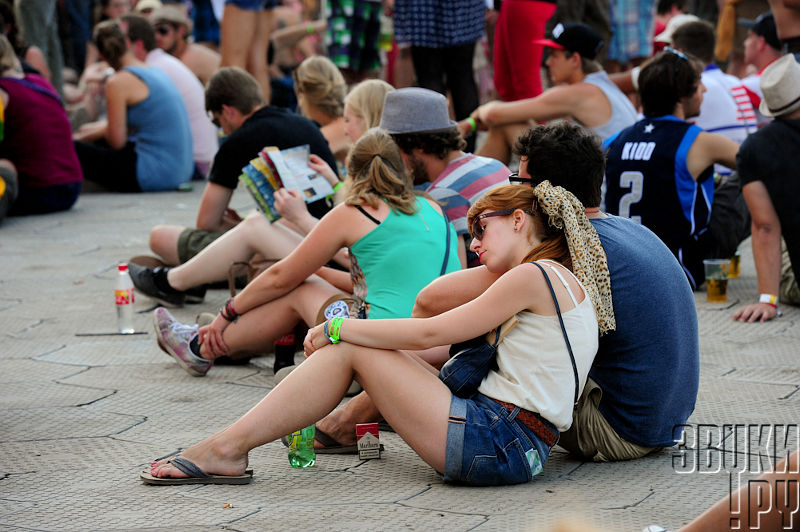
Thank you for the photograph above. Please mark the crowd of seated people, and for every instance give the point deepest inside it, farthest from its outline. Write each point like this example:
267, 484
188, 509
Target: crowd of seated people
424, 245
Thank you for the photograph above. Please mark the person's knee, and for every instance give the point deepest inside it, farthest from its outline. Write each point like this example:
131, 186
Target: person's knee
164, 241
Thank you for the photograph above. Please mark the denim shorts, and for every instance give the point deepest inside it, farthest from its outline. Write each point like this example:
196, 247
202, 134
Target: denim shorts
487, 446
253, 5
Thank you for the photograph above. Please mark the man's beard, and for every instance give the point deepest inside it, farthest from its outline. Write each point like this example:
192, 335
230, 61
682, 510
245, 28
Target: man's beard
419, 174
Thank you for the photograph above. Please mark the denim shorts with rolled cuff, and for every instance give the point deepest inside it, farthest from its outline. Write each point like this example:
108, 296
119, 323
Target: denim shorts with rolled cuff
487, 446
253, 5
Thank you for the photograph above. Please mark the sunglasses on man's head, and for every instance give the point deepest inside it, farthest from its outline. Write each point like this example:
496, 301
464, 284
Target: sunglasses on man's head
477, 230
681, 55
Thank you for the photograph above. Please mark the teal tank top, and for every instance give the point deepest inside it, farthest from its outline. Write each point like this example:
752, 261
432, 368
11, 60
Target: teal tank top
397, 259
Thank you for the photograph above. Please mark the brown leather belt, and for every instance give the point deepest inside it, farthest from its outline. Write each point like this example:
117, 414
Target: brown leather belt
533, 422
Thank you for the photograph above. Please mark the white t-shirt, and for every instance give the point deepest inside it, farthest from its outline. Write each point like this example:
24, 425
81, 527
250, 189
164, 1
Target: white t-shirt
204, 134
726, 109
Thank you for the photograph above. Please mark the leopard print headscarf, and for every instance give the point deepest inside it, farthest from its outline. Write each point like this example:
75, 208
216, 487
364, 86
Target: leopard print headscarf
588, 256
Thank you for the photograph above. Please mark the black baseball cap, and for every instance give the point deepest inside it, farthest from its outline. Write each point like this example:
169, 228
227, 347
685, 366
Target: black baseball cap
764, 26
574, 37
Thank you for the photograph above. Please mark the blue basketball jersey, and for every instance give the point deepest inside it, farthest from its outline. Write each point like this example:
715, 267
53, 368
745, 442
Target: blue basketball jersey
647, 180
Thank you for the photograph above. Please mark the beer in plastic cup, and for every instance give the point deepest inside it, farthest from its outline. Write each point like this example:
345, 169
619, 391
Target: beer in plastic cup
736, 261
717, 279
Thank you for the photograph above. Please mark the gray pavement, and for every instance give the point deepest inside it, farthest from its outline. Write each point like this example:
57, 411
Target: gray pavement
80, 416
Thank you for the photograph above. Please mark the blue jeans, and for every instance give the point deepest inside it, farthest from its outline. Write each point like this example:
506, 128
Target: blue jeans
487, 446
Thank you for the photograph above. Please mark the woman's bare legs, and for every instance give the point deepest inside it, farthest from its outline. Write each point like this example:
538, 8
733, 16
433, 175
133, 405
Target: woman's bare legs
255, 234
341, 423
410, 397
256, 330
244, 37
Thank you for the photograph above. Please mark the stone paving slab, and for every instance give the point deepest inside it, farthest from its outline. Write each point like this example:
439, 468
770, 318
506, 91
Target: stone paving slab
80, 415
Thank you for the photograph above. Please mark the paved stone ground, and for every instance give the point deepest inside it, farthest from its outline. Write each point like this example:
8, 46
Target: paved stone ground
81, 415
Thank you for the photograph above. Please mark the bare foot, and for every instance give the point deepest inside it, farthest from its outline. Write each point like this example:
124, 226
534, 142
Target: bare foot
337, 428
212, 455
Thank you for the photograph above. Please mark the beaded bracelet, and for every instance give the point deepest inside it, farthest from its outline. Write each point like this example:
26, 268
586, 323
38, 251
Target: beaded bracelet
228, 312
334, 330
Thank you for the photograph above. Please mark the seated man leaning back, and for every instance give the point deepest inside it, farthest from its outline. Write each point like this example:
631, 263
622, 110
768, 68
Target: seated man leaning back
643, 383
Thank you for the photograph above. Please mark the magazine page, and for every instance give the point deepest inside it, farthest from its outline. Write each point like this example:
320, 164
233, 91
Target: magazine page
292, 167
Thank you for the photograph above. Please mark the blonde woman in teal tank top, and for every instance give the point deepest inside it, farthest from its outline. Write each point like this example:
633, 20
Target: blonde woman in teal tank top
398, 242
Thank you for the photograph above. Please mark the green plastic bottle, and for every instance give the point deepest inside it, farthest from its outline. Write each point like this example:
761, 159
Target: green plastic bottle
301, 448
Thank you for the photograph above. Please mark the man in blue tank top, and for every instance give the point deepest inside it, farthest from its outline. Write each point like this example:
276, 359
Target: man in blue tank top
581, 91
659, 170
643, 383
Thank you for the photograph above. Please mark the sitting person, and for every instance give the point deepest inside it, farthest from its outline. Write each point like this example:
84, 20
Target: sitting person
766, 160
653, 347
173, 31
396, 240
38, 164
503, 434
274, 241
142, 42
236, 102
582, 92
146, 143
320, 90
660, 170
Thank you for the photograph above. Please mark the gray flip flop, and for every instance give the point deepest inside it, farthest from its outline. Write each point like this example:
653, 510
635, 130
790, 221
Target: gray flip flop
196, 475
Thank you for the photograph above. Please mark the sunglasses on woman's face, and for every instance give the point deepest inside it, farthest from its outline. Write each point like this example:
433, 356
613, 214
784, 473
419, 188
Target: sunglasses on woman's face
477, 230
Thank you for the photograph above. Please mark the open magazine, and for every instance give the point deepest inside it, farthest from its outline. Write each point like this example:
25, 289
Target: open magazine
274, 169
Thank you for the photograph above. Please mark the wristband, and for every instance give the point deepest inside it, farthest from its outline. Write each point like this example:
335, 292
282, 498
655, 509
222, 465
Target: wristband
472, 124
333, 329
337, 187
772, 301
310, 29
769, 299
228, 312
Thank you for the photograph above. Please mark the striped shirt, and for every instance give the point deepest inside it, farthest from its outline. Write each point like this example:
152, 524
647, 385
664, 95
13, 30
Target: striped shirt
463, 182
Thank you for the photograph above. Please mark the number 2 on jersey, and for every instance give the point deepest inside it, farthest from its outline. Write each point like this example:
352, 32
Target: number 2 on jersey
634, 180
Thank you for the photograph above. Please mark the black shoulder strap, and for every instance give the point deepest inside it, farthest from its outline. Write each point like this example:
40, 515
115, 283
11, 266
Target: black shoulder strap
368, 215
447, 243
563, 329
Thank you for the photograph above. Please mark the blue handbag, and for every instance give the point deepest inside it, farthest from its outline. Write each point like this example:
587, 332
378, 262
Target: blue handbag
469, 363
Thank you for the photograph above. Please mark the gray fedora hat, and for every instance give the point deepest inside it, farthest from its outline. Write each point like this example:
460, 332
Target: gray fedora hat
780, 85
415, 110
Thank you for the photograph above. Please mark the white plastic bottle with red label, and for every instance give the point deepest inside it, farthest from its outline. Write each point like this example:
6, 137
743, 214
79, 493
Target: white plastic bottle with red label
123, 294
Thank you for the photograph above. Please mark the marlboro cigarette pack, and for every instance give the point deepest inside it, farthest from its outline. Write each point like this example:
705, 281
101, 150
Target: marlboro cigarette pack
369, 445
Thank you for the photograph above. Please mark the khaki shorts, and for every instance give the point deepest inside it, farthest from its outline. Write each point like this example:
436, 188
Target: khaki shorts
193, 241
591, 437
790, 292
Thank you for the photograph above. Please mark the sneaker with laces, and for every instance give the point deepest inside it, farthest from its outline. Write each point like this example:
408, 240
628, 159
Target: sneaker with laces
173, 338
144, 279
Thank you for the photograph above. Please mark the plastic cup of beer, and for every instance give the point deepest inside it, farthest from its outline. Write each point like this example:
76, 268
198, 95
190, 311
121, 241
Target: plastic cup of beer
736, 261
717, 279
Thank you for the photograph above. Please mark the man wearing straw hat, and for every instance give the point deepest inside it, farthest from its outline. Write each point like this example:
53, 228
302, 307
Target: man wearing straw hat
767, 163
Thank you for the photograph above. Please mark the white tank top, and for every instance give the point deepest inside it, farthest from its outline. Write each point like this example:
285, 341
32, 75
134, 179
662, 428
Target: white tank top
534, 367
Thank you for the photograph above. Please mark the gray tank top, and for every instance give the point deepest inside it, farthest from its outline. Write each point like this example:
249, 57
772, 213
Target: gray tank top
623, 114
